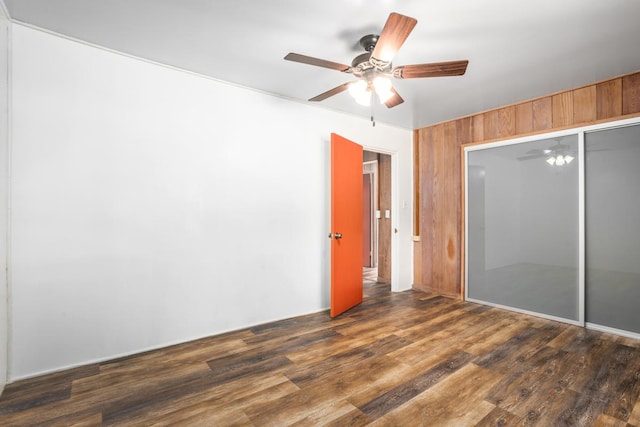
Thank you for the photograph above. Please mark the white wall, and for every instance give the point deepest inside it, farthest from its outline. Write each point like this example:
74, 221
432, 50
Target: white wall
4, 142
151, 206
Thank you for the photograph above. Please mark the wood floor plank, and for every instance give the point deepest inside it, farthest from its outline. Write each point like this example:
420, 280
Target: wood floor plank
454, 337
455, 401
298, 406
596, 393
389, 374
536, 392
302, 375
235, 418
85, 421
608, 421
589, 352
354, 418
183, 351
520, 383
623, 397
119, 375
565, 337
98, 400
390, 400
35, 392
221, 402
492, 336
513, 352
439, 323
345, 380
276, 332
499, 417
339, 345
634, 418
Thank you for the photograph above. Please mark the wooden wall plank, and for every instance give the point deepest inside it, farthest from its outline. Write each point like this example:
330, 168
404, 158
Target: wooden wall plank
464, 130
438, 225
562, 109
631, 94
477, 127
609, 99
542, 114
427, 182
449, 202
420, 142
384, 224
524, 118
584, 104
506, 121
491, 124
417, 265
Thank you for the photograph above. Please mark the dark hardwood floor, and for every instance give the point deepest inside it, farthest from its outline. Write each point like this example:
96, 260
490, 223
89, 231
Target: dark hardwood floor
402, 359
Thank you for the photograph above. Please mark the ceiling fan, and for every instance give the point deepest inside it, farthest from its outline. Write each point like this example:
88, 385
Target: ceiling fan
373, 68
556, 155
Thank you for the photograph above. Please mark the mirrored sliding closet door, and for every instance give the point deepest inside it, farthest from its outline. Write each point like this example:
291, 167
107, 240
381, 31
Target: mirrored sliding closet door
612, 214
522, 206
553, 226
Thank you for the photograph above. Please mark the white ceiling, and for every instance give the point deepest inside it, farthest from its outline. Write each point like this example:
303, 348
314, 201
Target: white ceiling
516, 49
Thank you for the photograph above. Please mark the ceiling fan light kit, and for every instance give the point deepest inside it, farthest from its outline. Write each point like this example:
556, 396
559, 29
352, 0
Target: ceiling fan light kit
373, 68
560, 160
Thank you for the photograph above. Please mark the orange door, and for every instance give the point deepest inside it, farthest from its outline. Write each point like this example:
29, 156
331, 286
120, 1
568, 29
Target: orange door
346, 224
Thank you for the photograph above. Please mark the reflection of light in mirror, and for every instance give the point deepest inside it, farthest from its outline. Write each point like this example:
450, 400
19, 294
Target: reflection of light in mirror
560, 160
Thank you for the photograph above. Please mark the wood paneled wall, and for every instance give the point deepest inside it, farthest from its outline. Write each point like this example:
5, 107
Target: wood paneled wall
384, 224
438, 161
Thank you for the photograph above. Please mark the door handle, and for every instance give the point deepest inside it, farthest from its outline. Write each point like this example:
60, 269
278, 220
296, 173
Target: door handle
336, 235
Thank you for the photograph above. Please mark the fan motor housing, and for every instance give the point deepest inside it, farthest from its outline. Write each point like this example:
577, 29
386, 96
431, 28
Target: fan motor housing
369, 41
360, 59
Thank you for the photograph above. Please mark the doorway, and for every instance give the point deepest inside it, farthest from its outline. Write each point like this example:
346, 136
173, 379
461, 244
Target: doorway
377, 216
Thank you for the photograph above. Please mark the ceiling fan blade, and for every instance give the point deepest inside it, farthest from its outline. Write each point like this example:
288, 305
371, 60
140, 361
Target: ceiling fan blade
395, 32
329, 93
396, 99
435, 69
532, 156
296, 57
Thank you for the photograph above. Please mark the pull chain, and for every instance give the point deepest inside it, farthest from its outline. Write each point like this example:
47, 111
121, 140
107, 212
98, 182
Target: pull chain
373, 102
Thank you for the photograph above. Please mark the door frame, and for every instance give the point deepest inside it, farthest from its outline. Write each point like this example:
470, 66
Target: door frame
395, 215
373, 176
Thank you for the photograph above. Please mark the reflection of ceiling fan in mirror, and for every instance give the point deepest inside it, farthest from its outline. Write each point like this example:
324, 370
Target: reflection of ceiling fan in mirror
556, 155
373, 69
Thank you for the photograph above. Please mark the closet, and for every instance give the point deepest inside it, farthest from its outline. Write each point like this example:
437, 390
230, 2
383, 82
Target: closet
552, 225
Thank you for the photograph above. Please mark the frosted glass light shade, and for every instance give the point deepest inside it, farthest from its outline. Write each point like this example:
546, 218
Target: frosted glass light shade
382, 85
359, 91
